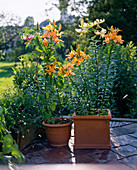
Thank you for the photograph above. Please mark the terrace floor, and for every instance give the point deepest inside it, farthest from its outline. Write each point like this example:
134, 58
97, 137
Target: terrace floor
123, 154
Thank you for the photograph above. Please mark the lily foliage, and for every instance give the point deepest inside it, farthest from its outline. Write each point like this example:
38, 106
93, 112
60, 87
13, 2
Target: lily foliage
85, 81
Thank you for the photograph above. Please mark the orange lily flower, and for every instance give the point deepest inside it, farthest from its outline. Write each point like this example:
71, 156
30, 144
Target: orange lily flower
76, 61
68, 65
71, 54
51, 68
83, 55
59, 34
69, 72
60, 71
45, 42
80, 60
119, 39
112, 35
55, 38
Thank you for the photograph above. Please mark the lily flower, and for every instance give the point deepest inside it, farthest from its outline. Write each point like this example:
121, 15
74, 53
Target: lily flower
48, 28
112, 35
51, 68
71, 54
69, 72
45, 42
24, 37
60, 70
101, 33
76, 61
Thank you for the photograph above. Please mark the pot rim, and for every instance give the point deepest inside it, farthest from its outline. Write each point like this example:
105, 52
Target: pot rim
57, 125
105, 117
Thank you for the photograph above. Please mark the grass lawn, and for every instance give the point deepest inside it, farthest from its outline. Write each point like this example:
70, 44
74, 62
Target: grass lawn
6, 75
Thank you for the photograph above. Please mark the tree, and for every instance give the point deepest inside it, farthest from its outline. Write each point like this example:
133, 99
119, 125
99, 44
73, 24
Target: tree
121, 14
11, 45
29, 21
9, 32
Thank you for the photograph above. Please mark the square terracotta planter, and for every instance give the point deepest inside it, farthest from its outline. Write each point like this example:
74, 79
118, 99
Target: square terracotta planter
92, 131
29, 134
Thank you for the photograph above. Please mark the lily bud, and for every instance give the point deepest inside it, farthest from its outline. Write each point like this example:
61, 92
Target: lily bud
82, 22
54, 22
38, 28
59, 27
78, 49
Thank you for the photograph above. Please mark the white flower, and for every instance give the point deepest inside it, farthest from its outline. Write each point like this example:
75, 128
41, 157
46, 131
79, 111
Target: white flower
98, 21
101, 33
83, 30
91, 24
85, 25
78, 30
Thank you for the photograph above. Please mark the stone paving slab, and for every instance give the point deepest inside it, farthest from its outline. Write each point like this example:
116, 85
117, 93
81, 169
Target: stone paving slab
35, 158
132, 126
134, 144
123, 140
114, 124
134, 135
125, 151
59, 155
121, 131
95, 156
130, 161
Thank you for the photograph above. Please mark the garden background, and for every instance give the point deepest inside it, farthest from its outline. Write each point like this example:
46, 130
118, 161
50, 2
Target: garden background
20, 82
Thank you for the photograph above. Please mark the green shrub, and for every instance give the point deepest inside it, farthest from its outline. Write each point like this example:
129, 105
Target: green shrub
21, 109
125, 88
8, 146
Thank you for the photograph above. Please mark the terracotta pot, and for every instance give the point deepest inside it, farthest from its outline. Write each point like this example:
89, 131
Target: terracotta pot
92, 131
58, 134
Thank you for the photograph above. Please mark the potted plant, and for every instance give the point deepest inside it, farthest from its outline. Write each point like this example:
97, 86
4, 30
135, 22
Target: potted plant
92, 85
21, 109
51, 83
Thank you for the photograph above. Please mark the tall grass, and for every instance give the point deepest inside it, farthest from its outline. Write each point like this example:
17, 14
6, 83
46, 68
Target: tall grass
6, 75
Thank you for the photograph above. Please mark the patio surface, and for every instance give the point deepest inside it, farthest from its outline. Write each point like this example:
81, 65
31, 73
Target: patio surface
123, 153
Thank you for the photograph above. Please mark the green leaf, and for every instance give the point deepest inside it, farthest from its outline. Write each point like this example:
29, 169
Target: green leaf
41, 57
31, 57
17, 154
47, 95
7, 144
1, 155
60, 82
71, 48
52, 106
44, 58
53, 120
48, 116
52, 58
37, 48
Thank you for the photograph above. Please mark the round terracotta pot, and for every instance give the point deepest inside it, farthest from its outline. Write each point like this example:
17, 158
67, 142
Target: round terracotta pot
58, 134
